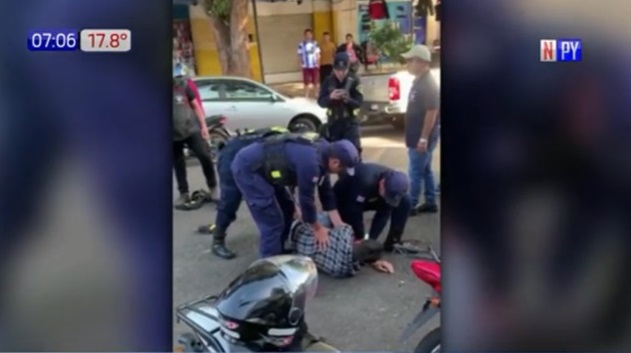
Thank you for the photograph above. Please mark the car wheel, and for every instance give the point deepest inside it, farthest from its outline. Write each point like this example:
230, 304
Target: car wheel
303, 123
398, 121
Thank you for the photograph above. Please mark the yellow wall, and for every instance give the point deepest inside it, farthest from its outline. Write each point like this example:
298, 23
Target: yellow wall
322, 19
206, 55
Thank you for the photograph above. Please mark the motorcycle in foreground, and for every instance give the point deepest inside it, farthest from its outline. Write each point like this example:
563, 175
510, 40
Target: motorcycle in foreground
427, 271
210, 332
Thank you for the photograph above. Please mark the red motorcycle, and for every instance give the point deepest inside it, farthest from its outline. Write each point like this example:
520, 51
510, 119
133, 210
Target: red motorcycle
427, 271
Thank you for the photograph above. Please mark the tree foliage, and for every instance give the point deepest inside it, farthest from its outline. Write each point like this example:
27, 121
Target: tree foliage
220, 9
389, 41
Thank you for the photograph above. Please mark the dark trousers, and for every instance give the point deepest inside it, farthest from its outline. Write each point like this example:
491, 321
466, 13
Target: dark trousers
346, 129
230, 195
271, 208
325, 71
199, 148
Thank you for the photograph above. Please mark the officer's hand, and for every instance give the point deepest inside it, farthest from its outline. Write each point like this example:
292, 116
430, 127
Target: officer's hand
321, 235
335, 95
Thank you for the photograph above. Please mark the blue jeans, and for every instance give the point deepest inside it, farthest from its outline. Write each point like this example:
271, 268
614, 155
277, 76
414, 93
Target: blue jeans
420, 172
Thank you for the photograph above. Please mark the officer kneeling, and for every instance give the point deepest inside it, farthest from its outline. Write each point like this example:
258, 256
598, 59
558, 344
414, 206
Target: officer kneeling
264, 171
340, 94
230, 196
374, 187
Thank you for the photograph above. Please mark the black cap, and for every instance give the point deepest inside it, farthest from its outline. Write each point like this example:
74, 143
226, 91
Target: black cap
340, 62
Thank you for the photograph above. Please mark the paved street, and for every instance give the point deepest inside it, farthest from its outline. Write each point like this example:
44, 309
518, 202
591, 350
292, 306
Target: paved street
364, 313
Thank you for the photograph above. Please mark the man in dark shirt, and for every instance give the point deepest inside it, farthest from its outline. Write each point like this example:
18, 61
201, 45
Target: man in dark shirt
374, 187
265, 170
189, 128
422, 128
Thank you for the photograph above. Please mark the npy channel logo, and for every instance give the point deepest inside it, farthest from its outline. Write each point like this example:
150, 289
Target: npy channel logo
561, 50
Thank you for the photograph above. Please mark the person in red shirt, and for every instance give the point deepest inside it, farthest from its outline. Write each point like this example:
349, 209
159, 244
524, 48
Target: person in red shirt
198, 98
191, 84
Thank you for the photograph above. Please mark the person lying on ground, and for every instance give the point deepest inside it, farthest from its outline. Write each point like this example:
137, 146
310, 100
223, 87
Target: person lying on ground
344, 256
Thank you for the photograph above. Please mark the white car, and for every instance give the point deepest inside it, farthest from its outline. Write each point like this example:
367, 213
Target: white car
248, 104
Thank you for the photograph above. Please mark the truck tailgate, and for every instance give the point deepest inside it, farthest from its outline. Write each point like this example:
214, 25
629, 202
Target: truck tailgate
375, 88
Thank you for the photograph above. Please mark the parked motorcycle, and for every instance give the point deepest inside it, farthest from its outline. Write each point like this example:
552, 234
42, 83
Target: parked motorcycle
219, 135
427, 271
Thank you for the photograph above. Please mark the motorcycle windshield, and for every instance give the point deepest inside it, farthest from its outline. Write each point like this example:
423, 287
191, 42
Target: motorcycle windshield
269, 290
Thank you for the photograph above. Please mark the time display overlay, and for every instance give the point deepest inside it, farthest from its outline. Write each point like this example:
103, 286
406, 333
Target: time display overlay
53, 40
105, 40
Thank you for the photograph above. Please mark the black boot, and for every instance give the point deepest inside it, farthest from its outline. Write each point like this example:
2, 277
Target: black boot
219, 248
393, 238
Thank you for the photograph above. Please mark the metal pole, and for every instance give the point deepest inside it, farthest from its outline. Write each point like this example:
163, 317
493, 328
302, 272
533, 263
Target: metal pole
258, 39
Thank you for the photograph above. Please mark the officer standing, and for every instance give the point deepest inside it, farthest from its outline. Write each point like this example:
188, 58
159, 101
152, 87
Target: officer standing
230, 196
340, 94
264, 170
374, 187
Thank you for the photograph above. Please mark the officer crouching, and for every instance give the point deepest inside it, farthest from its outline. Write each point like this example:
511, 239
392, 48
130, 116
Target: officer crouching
340, 94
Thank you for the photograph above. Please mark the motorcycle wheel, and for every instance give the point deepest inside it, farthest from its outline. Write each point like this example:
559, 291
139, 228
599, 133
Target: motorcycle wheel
430, 343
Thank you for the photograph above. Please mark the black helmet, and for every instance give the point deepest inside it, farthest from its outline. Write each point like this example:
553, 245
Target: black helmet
265, 305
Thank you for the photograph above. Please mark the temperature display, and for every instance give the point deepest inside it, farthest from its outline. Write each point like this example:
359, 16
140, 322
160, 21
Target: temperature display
106, 40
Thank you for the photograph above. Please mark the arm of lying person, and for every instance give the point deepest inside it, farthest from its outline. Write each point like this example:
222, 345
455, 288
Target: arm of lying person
383, 266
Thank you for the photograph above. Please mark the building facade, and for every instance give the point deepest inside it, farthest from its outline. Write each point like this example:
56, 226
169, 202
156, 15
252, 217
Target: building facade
275, 29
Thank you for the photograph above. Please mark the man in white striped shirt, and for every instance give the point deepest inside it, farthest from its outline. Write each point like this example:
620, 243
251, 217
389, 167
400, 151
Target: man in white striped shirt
309, 58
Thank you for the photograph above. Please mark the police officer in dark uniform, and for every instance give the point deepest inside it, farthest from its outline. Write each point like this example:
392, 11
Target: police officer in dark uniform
230, 196
340, 94
374, 187
265, 170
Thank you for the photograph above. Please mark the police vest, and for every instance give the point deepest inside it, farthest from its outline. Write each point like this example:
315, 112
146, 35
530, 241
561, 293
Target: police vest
276, 169
337, 108
368, 180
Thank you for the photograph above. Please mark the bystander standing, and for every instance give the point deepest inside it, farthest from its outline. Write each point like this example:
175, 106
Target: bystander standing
422, 128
